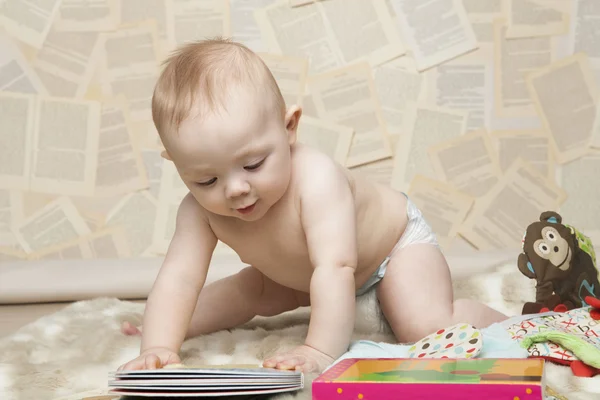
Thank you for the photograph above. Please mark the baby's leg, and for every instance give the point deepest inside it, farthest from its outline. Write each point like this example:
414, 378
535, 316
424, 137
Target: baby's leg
416, 295
235, 300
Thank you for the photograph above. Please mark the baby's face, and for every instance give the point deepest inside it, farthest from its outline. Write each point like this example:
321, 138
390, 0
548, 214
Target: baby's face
237, 162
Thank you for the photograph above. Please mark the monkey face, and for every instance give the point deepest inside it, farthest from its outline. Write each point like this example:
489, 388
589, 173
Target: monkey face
554, 248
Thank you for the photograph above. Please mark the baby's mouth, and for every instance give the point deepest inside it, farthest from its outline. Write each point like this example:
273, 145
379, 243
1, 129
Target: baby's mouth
246, 210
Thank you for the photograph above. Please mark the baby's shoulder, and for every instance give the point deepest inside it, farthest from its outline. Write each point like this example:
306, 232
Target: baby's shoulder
310, 165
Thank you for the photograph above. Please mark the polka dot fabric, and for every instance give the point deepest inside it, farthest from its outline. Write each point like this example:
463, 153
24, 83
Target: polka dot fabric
458, 341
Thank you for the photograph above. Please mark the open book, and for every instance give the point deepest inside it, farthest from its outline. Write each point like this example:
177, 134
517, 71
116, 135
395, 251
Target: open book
205, 380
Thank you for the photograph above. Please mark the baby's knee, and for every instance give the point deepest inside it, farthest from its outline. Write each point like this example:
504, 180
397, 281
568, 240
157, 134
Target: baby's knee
250, 283
429, 322
423, 328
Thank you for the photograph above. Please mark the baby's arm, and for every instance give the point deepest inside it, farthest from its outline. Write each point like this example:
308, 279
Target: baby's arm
328, 218
173, 297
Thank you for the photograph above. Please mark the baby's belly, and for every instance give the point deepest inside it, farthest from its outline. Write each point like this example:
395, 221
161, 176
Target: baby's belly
291, 273
296, 274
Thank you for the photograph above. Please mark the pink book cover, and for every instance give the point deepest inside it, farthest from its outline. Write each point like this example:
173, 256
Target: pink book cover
421, 378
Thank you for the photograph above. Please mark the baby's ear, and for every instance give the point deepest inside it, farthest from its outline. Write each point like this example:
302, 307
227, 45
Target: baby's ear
292, 120
165, 155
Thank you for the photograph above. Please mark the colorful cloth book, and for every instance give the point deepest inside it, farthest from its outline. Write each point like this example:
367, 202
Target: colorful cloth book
424, 378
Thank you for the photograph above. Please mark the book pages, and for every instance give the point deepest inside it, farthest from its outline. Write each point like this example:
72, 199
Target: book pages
347, 96
379, 171
120, 165
28, 20
66, 62
434, 43
579, 179
399, 88
33, 202
595, 139
94, 221
532, 18
172, 191
513, 60
244, 28
443, 206
134, 12
296, 3
308, 104
135, 214
463, 85
11, 214
428, 126
488, 106
56, 223
565, 96
584, 34
532, 146
189, 20
468, 162
481, 15
8, 254
332, 33
484, 8
131, 66
290, 74
105, 243
499, 220
153, 163
16, 139
81, 16
64, 160
330, 138
16, 74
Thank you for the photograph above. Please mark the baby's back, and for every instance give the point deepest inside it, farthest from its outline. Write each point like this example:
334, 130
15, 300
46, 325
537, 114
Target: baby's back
276, 244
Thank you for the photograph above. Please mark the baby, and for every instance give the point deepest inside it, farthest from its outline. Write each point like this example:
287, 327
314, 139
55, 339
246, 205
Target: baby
311, 232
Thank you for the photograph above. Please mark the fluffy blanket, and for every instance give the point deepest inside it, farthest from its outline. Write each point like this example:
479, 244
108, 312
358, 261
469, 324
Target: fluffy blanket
68, 355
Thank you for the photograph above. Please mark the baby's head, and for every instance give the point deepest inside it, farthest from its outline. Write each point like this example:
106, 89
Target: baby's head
224, 124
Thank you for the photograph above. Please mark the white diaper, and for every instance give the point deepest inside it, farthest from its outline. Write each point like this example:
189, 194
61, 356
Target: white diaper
417, 231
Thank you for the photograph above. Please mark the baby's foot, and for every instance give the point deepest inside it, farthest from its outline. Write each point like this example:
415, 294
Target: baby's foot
128, 329
302, 358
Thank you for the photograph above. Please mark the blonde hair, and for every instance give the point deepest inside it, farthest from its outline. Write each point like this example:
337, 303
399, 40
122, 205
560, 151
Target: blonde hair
211, 69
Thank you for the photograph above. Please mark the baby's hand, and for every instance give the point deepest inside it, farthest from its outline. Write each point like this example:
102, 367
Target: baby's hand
154, 358
302, 358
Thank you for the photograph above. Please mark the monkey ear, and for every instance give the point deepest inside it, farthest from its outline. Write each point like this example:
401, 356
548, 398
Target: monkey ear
525, 266
551, 216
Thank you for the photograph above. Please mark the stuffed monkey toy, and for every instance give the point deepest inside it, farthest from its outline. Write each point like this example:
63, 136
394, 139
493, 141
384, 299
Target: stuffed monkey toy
562, 261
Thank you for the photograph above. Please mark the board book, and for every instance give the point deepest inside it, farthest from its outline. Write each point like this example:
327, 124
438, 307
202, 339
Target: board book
198, 381
442, 378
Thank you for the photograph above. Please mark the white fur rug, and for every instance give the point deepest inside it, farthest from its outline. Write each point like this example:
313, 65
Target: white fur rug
69, 354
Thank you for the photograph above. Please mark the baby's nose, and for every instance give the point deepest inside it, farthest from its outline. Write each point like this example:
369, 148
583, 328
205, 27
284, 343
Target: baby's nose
237, 189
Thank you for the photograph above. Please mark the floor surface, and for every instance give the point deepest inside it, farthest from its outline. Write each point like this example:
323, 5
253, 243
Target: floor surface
14, 316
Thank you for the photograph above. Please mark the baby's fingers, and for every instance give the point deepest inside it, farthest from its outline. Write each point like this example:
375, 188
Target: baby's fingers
151, 361
291, 362
132, 365
272, 362
173, 359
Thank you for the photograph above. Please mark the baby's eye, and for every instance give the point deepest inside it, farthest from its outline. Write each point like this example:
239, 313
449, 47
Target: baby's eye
255, 166
208, 183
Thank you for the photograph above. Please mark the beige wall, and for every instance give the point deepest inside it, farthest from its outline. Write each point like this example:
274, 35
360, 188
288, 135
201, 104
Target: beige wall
82, 176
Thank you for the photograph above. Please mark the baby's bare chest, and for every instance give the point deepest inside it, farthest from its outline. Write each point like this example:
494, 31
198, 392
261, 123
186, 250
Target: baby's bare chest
276, 246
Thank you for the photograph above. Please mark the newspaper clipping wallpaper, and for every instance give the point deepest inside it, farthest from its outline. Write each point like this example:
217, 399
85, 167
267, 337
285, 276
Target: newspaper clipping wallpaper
483, 111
